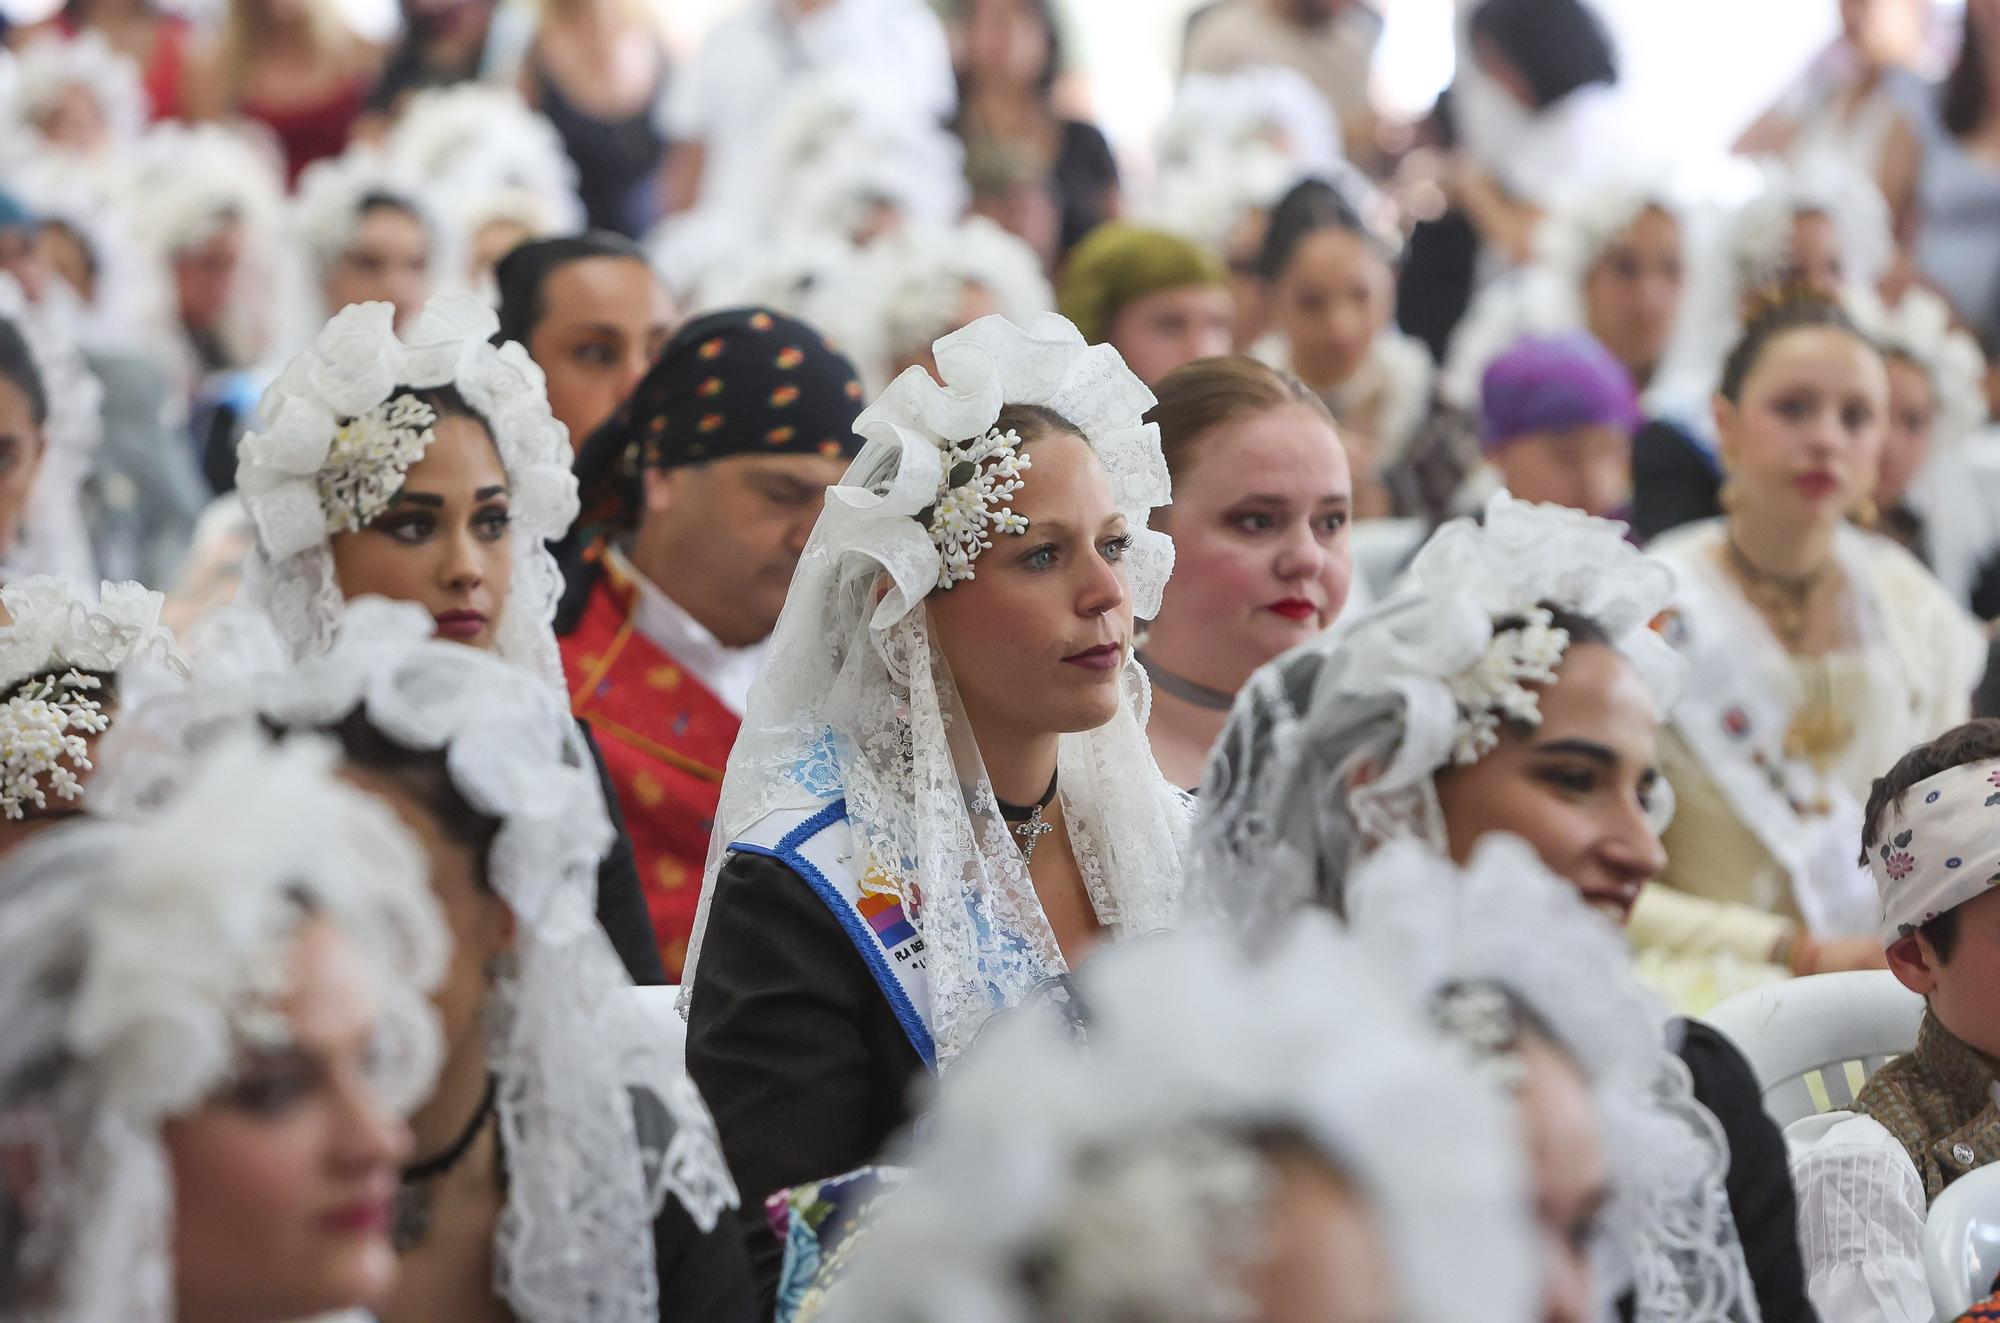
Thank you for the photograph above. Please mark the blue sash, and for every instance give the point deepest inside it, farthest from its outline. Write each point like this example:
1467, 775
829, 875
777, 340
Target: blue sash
819, 846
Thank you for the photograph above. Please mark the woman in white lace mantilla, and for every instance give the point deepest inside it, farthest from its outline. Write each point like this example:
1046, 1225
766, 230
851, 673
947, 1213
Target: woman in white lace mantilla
1211, 1156
1511, 685
424, 468
942, 796
1819, 652
565, 1167
215, 1015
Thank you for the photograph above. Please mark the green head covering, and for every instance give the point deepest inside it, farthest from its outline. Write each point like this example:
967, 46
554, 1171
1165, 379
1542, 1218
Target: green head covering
1117, 263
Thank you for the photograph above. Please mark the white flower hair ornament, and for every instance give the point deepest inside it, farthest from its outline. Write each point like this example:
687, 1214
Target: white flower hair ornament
142, 959
931, 485
338, 431
1122, 1177
55, 651
1502, 946
598, 1118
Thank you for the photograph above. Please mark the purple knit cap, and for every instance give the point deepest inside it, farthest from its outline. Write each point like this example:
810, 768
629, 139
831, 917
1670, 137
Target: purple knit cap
1551, 384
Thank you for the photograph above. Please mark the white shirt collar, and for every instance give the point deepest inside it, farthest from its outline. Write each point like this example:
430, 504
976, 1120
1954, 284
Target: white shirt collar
661, 621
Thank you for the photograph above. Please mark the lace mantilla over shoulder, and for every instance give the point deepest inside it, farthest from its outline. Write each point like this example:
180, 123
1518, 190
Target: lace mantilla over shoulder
138, 957
599, 1122
334, 435
854, 703
1505, 921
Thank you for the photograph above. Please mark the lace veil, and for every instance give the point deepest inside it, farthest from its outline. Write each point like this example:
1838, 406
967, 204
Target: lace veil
138, 958
355, 365
53, 536
854, 702
1334, 747
598, 1119
1119, 1180
1505, 920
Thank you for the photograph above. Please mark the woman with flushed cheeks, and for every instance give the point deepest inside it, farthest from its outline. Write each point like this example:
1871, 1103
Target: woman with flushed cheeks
445, 542
1262, 561
1820, 652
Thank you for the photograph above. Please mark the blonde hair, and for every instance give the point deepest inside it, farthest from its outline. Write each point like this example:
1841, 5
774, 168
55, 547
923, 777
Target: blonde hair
245, 32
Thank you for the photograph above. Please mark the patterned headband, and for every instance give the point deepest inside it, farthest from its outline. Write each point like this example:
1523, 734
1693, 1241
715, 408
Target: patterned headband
1939, 848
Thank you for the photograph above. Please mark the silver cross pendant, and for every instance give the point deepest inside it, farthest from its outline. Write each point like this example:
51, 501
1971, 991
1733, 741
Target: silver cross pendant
1029, 834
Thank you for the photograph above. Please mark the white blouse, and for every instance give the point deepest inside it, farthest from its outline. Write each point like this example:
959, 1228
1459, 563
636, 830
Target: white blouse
1861, 1220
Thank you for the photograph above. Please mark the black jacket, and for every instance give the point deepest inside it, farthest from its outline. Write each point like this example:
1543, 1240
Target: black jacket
621, 905
792, 1043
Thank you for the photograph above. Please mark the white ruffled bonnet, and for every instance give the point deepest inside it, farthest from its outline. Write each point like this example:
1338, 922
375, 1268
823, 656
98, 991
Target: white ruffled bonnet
356, 366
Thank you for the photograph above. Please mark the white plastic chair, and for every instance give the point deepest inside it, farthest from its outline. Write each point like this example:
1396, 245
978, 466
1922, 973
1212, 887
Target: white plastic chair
659, 1003
1962, 1242
1813, 1042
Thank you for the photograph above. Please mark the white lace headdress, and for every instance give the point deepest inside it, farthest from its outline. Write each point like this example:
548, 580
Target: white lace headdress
49, 65
140, 959
892, 301
1920, 328
1120, 1179
598, 1119
326, 206
53, 536
54, 651
1759, 242
1424, 679
1449, 936
335, 434
854, 701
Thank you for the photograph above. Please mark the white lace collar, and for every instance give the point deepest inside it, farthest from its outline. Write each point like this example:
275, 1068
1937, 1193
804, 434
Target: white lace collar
724, 671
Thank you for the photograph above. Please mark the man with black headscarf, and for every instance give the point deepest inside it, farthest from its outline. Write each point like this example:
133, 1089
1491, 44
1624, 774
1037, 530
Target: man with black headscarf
698, 496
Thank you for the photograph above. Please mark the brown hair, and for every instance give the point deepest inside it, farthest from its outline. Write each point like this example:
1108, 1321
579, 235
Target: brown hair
1197, 397
1974, 742
1774, 313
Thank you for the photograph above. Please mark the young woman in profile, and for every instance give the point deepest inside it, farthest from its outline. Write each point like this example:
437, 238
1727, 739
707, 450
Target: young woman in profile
1510, 685
215, 1014
1262, 562
942, 798
424, 469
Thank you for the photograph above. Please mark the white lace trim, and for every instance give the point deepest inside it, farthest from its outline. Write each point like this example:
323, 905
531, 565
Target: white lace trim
354, 367
854, 702
53, 536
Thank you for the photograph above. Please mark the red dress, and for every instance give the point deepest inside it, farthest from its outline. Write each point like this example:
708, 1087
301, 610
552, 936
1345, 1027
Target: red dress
665, 739
312, 132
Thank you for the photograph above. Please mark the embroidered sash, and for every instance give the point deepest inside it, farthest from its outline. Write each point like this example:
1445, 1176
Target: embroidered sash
1938, 1103
819, 846
1740, 701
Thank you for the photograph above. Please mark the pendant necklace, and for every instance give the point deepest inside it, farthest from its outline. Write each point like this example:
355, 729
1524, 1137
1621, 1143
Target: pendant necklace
1027, 822
1782, 598
1188, 691
410, 1220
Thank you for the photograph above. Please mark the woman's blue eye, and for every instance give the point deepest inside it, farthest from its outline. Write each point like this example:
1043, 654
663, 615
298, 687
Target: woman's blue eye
1040, 558
1115, 549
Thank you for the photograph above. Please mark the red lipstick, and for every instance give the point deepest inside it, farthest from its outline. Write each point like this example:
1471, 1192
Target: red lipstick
363, 1217
460, 625
1293, 608
1103, 657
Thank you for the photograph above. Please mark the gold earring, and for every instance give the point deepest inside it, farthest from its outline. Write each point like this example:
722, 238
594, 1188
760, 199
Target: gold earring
1729, 496
1866, 513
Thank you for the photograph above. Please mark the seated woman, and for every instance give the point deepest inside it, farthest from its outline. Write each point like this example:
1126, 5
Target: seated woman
1819, 653
215, 1015
565, 1168
1627, 1166
1262, 561
61, 660
371, 233
424, 470
1330, 289
1510, 685
1214, 1157
941, 798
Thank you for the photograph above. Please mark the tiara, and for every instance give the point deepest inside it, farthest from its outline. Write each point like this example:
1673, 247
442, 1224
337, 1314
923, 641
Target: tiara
980, 476
368, 459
